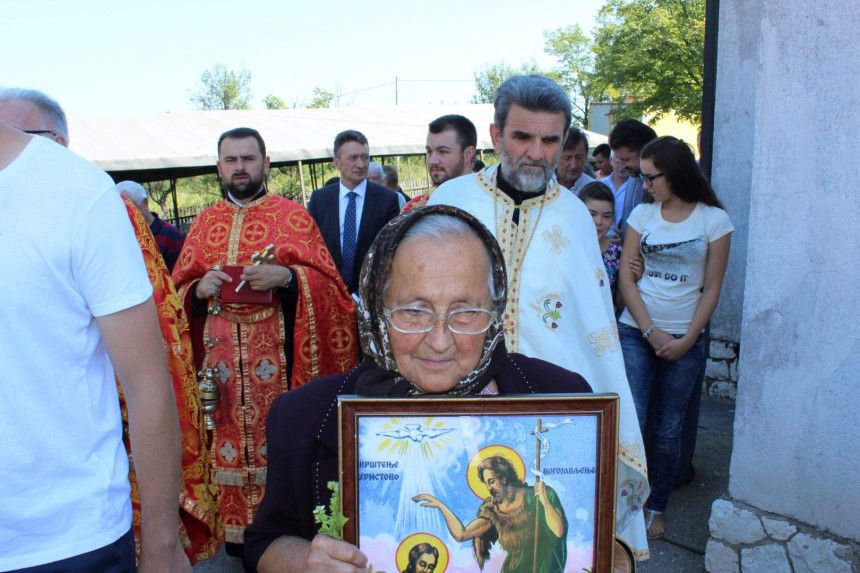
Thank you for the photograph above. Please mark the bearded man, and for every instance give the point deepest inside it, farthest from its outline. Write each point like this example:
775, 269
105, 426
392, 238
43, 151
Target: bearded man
559, 306
292, 321
452, 141
509, 516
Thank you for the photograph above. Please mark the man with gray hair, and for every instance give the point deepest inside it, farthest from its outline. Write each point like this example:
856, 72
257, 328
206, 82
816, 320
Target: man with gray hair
376, 174
392, 181
560, 305
35, 113
81, 294
168, 238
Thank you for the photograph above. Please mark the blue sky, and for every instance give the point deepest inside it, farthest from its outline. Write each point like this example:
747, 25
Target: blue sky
120, 57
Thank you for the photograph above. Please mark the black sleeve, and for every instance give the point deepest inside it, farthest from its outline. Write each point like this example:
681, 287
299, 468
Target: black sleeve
199, 306
312, 206
277, 514
543, 377
289, 300
298, 466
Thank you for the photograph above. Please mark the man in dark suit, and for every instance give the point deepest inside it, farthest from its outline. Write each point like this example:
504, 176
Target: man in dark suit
350, 213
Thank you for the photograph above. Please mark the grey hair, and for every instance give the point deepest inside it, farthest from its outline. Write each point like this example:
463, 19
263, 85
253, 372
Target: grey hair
534, 93
46, 105
132, 190
374, 166
441, 226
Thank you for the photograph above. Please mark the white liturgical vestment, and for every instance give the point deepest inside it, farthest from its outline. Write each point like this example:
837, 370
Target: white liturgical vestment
560, 309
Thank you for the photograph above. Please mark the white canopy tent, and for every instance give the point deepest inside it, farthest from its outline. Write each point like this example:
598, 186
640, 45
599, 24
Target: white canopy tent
165, 146
173, 145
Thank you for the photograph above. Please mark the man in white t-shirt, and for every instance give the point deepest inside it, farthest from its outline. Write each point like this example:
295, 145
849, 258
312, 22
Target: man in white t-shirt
77, 306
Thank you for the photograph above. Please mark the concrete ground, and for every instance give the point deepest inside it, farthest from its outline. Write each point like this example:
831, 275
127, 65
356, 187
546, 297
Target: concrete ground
682, 550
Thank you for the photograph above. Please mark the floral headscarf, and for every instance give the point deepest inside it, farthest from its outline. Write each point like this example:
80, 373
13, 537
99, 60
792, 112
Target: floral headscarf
383, 379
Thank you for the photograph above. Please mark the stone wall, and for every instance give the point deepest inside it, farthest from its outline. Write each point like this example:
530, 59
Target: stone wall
721, 370
745, 539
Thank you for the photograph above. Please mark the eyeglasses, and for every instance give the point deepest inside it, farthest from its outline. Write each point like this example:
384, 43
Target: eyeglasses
417, 320
649, 179
41, 132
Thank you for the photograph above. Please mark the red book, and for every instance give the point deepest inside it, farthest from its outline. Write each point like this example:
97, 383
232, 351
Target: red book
247, 294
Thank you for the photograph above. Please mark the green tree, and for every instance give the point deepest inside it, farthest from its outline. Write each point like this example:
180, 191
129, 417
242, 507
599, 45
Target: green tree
575, 72
199, 190
274, 102
222, 88
490, 77
653, 51
158, 191
322, 99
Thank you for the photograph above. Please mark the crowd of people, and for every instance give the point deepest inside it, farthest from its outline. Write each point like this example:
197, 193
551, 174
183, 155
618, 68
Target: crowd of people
188, 401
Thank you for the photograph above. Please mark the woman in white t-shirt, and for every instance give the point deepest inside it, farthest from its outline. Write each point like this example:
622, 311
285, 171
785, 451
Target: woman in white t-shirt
684, 238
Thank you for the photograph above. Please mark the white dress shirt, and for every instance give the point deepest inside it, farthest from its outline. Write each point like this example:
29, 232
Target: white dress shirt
360, 191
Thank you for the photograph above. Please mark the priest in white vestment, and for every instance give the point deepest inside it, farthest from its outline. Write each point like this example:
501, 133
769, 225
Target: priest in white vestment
559, 305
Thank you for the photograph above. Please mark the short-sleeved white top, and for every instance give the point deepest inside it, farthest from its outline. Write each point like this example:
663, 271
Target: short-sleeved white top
675, 255
69, 254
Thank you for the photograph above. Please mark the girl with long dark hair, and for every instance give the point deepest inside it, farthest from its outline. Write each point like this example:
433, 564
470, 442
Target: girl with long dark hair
684, 238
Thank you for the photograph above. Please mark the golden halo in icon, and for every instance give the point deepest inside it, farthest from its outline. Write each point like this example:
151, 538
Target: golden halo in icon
401, 556
475, 484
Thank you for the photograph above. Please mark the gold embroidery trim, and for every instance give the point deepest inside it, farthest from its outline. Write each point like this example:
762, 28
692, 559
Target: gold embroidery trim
230, 478
228, 312
312, 323
486, 181
235, 240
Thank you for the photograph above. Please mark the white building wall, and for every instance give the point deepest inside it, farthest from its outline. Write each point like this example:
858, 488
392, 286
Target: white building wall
732, 165
796, 141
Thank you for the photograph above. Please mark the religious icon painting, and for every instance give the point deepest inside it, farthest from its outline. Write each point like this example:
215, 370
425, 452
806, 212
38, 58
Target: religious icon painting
496, 485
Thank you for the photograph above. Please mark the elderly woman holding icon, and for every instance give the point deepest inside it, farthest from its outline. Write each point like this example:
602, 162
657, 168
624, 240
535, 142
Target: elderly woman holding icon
432, 289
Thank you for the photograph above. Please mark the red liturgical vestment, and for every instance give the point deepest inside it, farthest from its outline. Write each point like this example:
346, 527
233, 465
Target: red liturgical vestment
244, 343
200, 525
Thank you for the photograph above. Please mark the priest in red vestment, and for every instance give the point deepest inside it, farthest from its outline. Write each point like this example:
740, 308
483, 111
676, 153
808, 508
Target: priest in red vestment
292, 321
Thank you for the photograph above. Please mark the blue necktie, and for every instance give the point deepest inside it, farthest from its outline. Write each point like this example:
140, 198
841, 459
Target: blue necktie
349, 239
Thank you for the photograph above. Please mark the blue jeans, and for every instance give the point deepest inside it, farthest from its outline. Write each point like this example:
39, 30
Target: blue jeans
117, 557
672, 385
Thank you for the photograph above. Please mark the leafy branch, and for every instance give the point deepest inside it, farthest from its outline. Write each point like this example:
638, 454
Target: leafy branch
333, 521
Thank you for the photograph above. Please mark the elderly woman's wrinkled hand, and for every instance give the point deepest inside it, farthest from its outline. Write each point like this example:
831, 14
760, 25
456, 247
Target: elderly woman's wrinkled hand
329, 555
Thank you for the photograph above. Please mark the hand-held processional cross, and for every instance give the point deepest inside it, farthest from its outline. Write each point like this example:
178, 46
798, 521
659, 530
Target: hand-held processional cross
536, 433
266, 256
